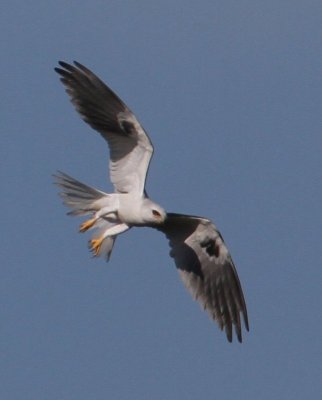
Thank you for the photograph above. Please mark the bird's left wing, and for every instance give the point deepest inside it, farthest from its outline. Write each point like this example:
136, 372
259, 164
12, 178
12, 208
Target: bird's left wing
207, 269
130, 146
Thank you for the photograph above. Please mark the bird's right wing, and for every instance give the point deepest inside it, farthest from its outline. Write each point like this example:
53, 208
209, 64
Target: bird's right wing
130, 146
207, 270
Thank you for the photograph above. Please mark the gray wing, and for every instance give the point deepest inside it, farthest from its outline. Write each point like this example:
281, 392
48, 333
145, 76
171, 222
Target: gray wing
130, 147
207, 270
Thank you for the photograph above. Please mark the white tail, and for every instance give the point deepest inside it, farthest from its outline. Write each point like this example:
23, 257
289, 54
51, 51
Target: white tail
84, 200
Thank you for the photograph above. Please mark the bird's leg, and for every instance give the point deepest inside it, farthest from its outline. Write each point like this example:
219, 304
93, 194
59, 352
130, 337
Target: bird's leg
96, 243
87, 224
92, 221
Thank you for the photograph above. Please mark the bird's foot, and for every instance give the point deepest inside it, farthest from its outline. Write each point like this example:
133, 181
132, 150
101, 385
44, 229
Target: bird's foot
87, 225
95, 245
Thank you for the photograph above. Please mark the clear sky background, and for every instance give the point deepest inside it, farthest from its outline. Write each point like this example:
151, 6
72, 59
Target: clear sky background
231, 96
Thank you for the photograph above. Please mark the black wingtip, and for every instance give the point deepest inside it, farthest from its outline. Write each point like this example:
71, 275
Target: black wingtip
79, 65
239, 337
64, 71
246, 323
66, 68
58, 70
65, 65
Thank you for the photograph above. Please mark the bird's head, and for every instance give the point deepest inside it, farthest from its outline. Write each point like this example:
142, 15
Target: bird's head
152, 213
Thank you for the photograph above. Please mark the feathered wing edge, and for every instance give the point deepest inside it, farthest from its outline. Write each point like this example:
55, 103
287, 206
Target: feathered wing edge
207, 270
130, 147
96, 102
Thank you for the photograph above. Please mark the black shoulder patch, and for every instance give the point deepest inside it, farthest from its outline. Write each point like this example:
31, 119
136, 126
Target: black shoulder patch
128, 127
212, 248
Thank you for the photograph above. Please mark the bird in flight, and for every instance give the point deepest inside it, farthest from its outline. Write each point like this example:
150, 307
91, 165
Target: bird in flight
201, 256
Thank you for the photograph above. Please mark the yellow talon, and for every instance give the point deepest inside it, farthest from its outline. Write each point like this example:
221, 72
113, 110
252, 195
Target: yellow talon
87, 224
95, 245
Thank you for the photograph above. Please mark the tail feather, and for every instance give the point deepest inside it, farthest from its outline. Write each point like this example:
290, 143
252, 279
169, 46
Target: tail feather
84, 199
81, 198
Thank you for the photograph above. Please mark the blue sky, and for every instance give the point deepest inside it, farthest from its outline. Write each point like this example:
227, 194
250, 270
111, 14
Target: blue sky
230, 93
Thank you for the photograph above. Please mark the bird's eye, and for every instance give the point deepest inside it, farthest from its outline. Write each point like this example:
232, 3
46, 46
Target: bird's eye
156, 213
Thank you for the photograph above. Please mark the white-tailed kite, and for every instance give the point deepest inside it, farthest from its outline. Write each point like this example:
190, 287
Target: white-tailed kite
200, 254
